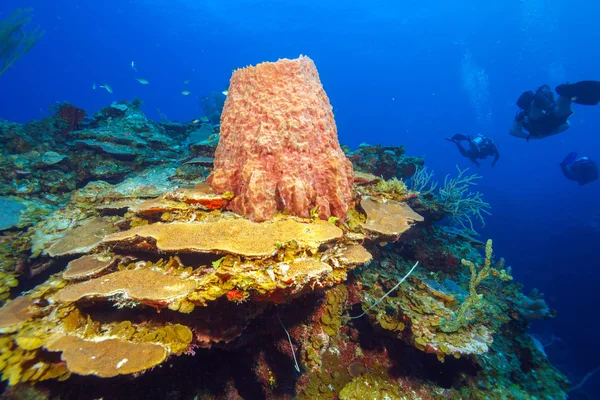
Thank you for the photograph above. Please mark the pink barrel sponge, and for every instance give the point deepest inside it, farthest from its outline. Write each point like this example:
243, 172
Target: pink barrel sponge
279, 149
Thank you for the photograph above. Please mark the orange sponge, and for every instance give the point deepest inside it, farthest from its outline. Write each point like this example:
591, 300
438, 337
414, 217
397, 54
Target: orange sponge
279, 148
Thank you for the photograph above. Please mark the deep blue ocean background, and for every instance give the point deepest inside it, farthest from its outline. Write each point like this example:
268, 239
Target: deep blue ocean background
408, 72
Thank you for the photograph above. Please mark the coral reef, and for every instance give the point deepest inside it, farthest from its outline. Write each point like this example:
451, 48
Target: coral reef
140, 283
279, 149
43, 163
216, 258
386, 162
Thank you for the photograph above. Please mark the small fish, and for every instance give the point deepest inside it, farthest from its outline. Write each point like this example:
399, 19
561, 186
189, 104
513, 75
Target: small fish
133, 66
94, 86
108, 88
142, 81
225, 92
195, 121
186, 81
185, 92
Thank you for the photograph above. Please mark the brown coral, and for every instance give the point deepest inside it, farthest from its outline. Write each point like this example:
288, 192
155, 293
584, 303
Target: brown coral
304, 269
107, 358
138, 285
82, 239
201, 196
279, 148
389, 218
356, 254
87, 266
364, 178
16, 313
236, 236
158, 206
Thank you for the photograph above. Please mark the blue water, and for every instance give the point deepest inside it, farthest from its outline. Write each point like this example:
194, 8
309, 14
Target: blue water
407, 73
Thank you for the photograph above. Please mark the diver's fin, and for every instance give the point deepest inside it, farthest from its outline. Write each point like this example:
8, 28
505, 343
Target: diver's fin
458, 137
583, 92
569, 158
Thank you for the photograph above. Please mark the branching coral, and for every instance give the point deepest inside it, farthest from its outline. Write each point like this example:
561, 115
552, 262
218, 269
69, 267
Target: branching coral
421, 181
14, 41
461, 203
474, 299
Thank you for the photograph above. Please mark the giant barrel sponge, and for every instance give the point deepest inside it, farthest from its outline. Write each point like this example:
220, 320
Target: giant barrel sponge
279, 149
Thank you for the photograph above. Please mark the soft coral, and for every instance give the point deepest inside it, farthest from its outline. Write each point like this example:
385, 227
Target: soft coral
71, 115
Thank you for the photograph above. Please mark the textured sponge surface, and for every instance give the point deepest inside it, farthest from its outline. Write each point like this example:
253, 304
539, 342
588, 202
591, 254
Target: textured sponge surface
279, 148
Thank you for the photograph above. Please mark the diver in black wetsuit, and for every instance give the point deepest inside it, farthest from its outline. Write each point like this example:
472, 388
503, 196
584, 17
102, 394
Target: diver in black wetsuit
542, 115
582, 169
480, 147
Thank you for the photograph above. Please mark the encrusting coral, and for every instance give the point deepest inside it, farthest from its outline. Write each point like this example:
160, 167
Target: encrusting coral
271, 262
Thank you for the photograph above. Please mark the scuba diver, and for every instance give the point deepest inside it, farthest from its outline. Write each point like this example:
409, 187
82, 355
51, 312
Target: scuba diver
480, 147
542, 115
582, 169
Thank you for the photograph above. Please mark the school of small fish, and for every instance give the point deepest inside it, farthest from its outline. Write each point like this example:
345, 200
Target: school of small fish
144, 81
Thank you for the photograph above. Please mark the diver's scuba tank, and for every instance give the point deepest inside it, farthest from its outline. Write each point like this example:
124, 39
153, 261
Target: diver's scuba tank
524, 101
544, 98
